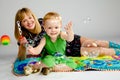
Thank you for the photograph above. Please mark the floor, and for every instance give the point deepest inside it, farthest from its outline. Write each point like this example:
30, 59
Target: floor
8, 54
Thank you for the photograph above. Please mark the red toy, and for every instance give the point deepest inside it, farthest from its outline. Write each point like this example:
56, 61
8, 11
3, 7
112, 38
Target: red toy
5, 39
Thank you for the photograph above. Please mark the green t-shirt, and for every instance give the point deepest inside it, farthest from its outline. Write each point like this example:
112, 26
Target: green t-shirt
58, 46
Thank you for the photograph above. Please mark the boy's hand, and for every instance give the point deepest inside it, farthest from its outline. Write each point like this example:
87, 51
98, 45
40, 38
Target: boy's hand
69, 32
32, 50
68, 27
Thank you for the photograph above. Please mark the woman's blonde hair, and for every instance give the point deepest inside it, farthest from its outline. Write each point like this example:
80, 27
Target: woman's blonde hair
52, 15
20, 16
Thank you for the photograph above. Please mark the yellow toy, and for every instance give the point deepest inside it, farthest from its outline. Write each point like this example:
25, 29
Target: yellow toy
32, 68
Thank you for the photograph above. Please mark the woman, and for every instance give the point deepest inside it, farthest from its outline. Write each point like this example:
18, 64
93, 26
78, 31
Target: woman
32, 33
27, 31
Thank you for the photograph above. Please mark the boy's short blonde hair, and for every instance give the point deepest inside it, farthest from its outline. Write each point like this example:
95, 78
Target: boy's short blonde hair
52, 15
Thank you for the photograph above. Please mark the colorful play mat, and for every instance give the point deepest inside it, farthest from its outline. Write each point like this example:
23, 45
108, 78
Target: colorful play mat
105, 63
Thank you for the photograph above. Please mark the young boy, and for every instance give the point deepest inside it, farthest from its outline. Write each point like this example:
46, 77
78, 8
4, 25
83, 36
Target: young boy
54, 43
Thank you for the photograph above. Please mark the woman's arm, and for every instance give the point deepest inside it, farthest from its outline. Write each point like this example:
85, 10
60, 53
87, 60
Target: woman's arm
21, 52
22, 49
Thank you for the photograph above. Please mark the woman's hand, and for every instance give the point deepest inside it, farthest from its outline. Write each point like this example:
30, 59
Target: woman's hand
23, 40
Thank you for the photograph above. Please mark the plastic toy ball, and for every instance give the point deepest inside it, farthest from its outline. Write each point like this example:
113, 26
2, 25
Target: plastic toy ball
5, 40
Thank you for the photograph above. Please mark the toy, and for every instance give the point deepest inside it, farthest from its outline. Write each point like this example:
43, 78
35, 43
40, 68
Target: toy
20, 32
32, 68
46, 70
28, 70
5, 40
21, 36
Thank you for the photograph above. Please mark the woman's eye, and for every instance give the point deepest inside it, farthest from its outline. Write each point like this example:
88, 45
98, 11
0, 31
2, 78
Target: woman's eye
24, 21
30, 17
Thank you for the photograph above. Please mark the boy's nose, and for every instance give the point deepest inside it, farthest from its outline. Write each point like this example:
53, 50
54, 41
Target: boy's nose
53, 29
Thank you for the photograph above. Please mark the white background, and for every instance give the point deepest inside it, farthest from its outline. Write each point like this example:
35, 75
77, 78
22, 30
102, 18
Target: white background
99, 19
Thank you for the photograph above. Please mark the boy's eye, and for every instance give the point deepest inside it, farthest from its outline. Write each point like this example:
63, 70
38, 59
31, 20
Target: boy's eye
49, 27
56, 27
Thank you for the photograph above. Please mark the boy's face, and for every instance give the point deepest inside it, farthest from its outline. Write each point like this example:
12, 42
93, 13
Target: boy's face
28, 22
53, 27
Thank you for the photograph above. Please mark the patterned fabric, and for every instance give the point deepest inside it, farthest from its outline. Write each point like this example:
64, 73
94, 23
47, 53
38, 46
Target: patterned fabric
105, 63
34, 39
73, 48
114, 45
19, 65
117, 51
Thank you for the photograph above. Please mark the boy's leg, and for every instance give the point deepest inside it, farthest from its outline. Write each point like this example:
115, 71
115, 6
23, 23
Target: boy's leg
62, 68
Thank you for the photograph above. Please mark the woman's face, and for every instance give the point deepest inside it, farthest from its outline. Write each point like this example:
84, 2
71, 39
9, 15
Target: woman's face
28, 22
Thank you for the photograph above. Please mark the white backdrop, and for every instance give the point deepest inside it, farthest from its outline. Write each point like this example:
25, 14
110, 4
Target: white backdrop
99, 19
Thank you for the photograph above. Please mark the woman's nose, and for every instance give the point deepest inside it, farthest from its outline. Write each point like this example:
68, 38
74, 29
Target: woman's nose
28, 21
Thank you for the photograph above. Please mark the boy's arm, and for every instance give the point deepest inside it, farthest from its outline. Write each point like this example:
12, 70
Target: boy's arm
37, 50
69, 35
